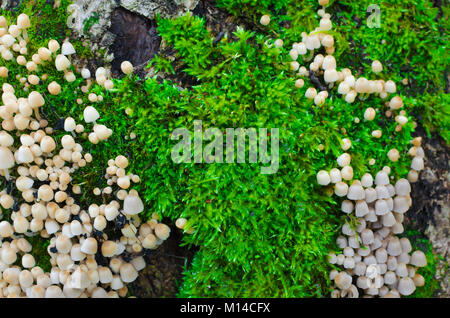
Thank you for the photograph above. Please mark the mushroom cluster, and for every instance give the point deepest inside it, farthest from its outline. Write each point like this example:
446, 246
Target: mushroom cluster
375, 261
322, 66
94, 250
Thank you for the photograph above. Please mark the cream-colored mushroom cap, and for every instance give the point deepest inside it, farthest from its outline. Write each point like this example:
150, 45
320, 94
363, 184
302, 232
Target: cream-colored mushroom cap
126, 67
23, 21
394, 247
89, 246
128, 273
109, 248
6, 158
180, 223
418, 259
343, 280
133, 205
356, 192
47, 144
8, 255
149, 241
45, 193
381, 178
54, 292
162, 231
323, 178
54, 88
396, 103
90, 114
67, 48
53, 45
417, 163
62, 62
377, 67
35, 100
390, 87
402, 187
121, 162
406, 286
63, 244
419, 280
265, 20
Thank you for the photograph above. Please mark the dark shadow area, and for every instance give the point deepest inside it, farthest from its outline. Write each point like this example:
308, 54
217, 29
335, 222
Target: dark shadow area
137, 40
432, 191
164, 272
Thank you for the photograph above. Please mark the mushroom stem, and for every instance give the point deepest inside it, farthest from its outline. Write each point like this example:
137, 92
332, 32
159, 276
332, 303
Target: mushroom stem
7, 176
310, 57
363, 96
36, 113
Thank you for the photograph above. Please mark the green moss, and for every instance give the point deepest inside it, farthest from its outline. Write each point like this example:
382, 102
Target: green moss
259, 235
419, 242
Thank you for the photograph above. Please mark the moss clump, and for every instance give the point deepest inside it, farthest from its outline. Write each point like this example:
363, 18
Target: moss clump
259, 235
419, 242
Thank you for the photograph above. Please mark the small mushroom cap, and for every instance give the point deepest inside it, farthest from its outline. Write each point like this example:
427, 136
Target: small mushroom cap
47, 144
382, 192
406, 286
406, 245
394, 247
128, 273
23, 21
381, 178
367, 236
356, 192
90, 114
133, 205
417, 163
323, 178
54, 88
105, 275
121, 162
162, 231
367, 180
347, 206
126, 67
335, 175
401, 204
67, 49
62, 62
388, 219
341, 189
361, 208
402, 187
6, 158
54, 292
418, 259
377, 67
138, 263
149, 241
85, 73
381, 207
419, 280
343, 280
344, 160
109, 248
265, 19
89, 246
35, 100
371, 195
180, 223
